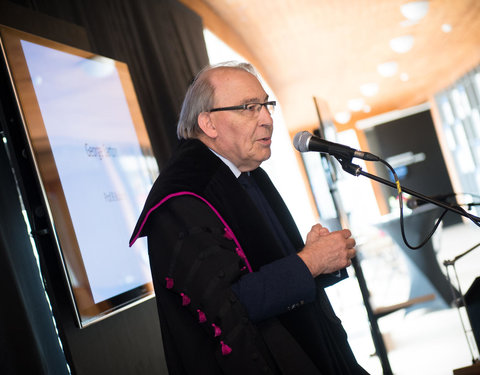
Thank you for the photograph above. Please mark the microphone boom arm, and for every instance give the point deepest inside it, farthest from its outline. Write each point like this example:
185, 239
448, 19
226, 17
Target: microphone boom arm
356, 170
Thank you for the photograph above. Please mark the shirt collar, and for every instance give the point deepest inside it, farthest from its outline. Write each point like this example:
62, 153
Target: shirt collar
229, 164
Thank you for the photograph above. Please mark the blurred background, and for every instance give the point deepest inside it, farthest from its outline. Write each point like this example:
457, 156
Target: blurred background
397, 78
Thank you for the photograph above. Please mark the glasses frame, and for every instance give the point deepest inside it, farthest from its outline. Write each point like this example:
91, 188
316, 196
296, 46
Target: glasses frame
244, 106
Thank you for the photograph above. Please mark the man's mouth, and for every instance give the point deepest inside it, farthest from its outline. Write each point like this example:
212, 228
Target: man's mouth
266, 140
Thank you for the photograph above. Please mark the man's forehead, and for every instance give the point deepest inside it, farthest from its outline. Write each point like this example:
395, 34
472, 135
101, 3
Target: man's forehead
227, 80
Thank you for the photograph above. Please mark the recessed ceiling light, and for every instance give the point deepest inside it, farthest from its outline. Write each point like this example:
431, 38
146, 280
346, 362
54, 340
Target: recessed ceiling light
388, 69
366, 108
402, 44
404, 77
446, 27
356, 105
369, 89
342, 117
415, 10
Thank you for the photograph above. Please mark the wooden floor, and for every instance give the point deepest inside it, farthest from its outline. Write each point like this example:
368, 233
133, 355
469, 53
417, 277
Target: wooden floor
421, 341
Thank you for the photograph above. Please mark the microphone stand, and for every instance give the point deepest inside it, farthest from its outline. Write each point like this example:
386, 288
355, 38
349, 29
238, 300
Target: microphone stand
377, 338
378, 342
342, 218
354, 169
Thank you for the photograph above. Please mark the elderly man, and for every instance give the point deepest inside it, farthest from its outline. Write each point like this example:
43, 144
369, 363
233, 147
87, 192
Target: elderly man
238, 292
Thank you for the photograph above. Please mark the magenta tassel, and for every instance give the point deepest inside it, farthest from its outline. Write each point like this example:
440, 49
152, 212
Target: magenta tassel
225, 348
217, 330
185, 299
201, 316
228, 234
169, 283
239, 253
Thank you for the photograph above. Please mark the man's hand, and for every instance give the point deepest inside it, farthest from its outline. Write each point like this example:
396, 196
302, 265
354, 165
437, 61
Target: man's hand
326, 252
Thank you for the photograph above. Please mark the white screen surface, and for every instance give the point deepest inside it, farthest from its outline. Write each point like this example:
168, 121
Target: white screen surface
103, 173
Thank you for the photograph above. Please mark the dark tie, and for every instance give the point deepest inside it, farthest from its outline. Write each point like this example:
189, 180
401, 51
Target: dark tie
252, 189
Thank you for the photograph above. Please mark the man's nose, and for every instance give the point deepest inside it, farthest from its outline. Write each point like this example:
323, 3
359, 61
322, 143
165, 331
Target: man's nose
265, 116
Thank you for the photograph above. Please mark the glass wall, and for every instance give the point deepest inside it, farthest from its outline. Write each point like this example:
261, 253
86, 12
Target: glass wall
459, 108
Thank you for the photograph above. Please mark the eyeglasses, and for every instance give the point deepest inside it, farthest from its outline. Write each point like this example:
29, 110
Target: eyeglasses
252, 109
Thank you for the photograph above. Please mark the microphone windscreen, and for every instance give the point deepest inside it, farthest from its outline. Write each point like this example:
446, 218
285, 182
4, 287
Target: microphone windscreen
300, 141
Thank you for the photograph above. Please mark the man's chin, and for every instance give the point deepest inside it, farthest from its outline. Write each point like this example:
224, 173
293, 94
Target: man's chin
266, 157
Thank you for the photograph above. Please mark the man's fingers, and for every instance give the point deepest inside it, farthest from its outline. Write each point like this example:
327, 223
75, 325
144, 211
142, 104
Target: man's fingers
352, 253
350, 243
347, 233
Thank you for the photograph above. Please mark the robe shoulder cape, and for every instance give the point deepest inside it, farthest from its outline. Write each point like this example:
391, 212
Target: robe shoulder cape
204, 233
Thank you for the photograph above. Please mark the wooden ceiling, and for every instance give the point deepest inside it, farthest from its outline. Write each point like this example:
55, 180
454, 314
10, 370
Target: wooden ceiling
327, 49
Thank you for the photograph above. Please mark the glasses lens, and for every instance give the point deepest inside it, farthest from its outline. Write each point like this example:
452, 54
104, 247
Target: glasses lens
254, 109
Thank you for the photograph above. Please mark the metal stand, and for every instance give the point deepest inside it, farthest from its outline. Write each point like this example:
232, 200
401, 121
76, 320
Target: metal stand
343, 222
380, 349
356, 170
345, 160
459, 302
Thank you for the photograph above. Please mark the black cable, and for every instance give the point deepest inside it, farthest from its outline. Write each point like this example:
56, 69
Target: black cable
400, 201
356, 170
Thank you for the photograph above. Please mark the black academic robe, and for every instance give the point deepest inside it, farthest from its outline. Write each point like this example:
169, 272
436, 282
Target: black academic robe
205, 234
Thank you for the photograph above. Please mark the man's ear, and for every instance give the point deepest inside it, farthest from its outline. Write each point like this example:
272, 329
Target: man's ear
206, 124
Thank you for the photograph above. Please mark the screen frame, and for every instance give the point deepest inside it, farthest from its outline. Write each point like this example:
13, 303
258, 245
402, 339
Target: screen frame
61, 226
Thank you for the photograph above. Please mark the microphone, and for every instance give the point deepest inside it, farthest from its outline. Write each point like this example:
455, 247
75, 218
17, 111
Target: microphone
305, 141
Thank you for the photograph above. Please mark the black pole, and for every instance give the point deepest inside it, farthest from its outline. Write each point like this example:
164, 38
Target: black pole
331, 176
380, 349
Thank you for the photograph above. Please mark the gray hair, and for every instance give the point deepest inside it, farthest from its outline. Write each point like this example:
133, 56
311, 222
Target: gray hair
200, 97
